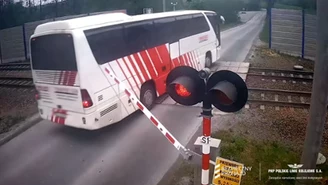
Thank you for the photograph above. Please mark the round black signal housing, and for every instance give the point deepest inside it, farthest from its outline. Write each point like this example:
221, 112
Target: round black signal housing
184, 85
227, 90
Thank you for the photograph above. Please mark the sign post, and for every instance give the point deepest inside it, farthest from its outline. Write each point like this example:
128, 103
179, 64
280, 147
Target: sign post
224, 89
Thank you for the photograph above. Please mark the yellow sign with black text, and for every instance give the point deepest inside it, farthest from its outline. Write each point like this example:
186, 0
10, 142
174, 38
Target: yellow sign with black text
227, 172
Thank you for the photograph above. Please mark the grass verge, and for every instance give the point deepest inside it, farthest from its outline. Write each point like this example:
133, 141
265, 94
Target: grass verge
8, 121
267, 154
257, 156
264, 35
284, 6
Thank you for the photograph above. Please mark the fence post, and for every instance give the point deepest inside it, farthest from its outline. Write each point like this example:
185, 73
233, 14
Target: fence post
0, 49
24, 41
270, 26
303, 32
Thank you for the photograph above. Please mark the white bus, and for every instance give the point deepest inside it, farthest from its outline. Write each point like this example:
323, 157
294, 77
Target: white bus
68, 60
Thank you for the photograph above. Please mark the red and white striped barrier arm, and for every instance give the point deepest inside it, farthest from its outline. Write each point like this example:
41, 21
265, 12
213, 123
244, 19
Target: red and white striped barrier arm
149, 115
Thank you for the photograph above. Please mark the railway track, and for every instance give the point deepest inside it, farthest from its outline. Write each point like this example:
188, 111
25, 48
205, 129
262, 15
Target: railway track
279, 98
15, 67
305, 76
16, 82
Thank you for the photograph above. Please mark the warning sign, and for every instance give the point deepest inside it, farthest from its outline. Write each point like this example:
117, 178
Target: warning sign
227, 172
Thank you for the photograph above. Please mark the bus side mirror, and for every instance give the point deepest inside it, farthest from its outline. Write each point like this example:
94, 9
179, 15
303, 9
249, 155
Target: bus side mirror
222, 19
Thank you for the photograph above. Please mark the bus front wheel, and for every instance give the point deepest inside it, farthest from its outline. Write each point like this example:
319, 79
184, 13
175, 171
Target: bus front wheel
148, 95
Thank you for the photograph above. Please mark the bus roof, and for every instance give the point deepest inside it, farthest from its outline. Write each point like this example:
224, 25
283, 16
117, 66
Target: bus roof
108, 19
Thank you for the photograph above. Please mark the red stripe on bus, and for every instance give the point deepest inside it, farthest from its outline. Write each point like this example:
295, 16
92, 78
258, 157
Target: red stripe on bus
60, 77
176, 62
190, 60
135, 69
141, 67
125, 76
195, 59
65, 77
61, 121
156, 60
198, 58
187, 60
127, 66
182, 62
147, 62
164, 54
170, 138
56, 119
72, 78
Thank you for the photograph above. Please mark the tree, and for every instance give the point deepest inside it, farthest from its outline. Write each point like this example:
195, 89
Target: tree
227, 8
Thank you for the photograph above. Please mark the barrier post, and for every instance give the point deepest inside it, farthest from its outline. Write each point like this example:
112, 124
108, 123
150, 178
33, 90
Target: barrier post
303, 32
0, 49
270, 27
24, 41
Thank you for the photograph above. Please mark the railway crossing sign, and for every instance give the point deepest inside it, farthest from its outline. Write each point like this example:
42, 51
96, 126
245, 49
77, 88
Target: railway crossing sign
227, 172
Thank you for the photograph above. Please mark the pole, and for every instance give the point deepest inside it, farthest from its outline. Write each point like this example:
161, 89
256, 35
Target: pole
164, 3
56, 8
303, 32
318, 110
40, 9
270, 26
207, 114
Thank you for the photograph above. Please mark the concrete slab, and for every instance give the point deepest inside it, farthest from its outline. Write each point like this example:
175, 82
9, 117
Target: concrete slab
222, 68
235, 64
233, 69
242, 70
243, 64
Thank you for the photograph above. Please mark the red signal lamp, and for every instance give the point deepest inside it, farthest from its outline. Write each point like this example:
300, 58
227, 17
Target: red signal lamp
182, 91
184, 86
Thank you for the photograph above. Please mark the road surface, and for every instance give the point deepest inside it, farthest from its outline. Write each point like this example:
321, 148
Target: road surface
130, 152
236, 42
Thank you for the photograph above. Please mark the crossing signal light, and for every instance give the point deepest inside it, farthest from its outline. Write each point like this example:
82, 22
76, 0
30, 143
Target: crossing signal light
227, 90
184, 86
224, 89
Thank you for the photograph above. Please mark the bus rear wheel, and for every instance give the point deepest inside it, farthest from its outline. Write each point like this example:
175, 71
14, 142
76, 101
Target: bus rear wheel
148, 95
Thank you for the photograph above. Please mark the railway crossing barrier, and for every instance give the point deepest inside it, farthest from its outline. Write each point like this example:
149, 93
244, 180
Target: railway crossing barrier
185, 85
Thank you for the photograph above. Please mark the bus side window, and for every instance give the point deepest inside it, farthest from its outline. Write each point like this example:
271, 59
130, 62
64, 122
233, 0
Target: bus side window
215, 24
164, 29
199, 24
137, 36
183, 26
107, 43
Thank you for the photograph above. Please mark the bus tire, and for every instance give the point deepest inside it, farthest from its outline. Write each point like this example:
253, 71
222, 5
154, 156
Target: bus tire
148, 95
208, 60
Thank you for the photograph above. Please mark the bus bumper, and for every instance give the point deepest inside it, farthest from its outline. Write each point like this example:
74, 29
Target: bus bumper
72, 119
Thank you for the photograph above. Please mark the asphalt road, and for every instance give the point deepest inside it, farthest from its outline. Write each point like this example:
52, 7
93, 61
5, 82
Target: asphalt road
130, 152
237, 42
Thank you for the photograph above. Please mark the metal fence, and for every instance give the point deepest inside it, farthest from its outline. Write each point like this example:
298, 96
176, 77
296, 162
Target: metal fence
14, 42
293, 32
